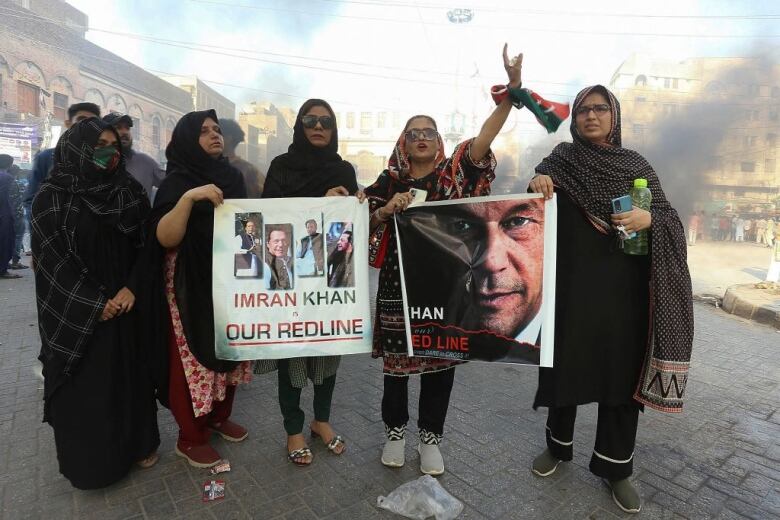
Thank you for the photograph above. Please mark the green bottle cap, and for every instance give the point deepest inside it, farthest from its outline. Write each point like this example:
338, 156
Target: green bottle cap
640, 183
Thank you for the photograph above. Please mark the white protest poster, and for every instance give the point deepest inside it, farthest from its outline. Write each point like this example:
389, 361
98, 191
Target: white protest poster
290, 278
478, 278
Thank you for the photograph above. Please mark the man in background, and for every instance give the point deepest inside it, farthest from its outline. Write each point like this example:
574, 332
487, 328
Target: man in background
142, 167
17, 204
253, 179
7, 234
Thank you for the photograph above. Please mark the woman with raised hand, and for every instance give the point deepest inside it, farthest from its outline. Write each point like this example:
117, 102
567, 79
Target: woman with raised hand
198, 387
418, 162
87, 231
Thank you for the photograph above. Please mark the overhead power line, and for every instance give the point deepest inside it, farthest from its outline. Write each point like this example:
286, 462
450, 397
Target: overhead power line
544, 28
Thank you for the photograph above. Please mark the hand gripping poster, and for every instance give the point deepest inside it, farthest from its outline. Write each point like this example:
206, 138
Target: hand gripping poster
478, 278
290, 278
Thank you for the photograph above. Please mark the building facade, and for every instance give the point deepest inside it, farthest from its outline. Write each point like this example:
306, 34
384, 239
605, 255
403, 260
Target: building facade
46, 65
203, 96
731, 104
267, 132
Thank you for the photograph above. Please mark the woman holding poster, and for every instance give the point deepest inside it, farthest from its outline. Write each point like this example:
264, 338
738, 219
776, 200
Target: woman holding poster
198, 387
418, 164
311, 167
607, 301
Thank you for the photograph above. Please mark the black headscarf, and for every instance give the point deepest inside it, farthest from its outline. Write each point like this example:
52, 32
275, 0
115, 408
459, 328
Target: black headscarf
307, 170
189, 166
593, 175
70, 300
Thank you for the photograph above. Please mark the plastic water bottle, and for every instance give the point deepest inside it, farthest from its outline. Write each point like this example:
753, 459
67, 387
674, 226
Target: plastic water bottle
640, 198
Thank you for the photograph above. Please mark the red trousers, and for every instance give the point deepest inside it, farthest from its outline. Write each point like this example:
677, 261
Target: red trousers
193, 431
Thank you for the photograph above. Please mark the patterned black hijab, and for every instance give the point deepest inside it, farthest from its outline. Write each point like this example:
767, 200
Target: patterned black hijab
70, 300
592, 175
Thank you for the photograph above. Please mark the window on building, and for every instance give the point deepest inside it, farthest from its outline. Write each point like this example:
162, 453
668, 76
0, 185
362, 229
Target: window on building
169, 131
641, 81
365, 122
640, 99
60, 106
748, 166
770, 165
749, 140
771, 139
776, 92
381, 118
136, 131
27, 98
675, 83
350, 120
156, 133
667, 82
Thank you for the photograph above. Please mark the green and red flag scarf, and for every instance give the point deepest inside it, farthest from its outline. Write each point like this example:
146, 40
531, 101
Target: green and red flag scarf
549, 113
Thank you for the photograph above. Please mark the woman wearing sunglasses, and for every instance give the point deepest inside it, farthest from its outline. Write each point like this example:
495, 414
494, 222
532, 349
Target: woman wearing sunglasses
311, 167
418, 162
602, 350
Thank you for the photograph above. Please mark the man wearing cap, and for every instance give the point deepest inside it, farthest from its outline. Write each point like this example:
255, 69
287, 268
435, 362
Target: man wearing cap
141, 166
253, 179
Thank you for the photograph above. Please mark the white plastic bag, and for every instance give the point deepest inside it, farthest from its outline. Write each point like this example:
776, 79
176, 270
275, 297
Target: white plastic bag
420, 499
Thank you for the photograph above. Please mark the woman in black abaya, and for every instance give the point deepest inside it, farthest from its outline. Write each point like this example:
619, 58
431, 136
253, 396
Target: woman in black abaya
87, 230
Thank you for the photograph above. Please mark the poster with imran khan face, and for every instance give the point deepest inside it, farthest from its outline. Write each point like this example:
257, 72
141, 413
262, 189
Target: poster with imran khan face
290, 278
478, 278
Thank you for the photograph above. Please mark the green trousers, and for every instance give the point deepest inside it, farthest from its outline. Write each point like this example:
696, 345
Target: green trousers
290, 400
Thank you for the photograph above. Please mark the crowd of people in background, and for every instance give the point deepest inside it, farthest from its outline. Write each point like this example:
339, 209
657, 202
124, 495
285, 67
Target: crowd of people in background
722, 227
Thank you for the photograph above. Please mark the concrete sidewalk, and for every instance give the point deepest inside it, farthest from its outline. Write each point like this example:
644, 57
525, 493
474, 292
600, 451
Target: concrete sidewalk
718, 459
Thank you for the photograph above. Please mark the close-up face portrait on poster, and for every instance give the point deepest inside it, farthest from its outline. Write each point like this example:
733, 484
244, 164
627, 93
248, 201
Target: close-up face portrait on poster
474, 277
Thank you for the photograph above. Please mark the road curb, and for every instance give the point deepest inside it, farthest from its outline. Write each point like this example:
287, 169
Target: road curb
738, 301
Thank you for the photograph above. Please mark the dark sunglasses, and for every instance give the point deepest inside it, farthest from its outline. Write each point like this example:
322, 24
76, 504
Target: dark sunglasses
426, 134
600, 109
310, 121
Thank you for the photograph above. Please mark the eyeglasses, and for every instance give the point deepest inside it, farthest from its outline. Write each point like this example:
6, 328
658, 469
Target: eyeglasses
600, 109
426, 134
310, 121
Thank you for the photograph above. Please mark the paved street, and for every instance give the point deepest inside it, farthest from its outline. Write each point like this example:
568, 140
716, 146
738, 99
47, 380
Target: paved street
719, 459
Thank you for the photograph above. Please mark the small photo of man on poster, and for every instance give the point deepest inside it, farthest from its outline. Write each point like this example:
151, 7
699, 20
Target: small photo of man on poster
247, 261
310, 256
279, 272
473, 274
341, 265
